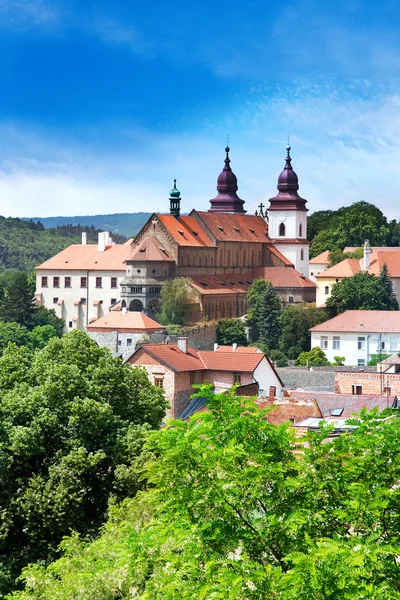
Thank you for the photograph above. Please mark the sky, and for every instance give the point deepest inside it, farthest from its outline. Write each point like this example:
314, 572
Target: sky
103, 104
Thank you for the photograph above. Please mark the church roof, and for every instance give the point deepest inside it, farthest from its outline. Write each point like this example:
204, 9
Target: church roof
185, 231
227, 200
150, 249
227, 227
288, 185
283, 277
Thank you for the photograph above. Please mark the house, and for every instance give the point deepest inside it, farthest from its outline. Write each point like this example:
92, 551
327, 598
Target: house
385, 380
119, 331
177, 367
345, 405
372, 262
82, 282
318, 264
358, 334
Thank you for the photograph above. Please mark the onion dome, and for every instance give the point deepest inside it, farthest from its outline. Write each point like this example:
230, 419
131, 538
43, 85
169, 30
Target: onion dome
288, 184
175, 201
227, 200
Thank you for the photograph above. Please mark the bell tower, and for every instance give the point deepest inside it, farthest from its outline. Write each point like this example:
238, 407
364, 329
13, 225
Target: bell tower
287, 215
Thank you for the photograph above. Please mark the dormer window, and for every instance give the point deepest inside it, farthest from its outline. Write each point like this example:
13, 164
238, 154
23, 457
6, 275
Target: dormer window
181, 232
220, 228
252, 230
237, 229
282, 229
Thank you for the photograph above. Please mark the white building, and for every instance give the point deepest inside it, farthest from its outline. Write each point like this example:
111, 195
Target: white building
83, 281
287, 219
358, 334
318, 264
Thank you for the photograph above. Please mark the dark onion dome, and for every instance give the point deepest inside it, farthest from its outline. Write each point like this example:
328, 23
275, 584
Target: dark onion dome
288, 184
227, 200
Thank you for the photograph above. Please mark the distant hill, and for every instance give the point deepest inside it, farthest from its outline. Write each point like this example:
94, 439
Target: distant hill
126, 224
26, 244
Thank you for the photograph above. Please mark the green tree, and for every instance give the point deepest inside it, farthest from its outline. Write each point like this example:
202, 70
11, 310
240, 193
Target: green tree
234, 512
338, 360
265, 309
388, 287
72, 423
18, 303
45, 316
174, 302
296, 322
374, 359
363, 291
12, 332
315, 357
231, 331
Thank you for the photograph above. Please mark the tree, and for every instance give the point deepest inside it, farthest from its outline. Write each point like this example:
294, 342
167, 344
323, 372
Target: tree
375, 359
388, 287
265, 309
18, 303
315, 357
363, 291
174, 302
231, 331
45, 316
235, 512
72, 423
338, 360
296, 322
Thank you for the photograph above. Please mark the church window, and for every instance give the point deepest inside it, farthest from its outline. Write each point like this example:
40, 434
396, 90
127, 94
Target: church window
244, 257
229, 258
237, 257
300, 230
199, 261
302, 254
205, 261
252, 258
282, 229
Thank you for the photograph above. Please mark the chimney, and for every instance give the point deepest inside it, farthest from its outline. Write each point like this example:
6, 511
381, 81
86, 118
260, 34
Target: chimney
106, 238
182, 344
101, 242
367, 255
272, 391
234, 347
215, 347
84, 238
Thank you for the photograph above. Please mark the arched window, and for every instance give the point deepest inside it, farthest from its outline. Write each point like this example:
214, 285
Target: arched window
199, 261
237, 258
229, 258
300, 230
302, 254
206, 261
242, 308
282, 229
244, 257
252, 258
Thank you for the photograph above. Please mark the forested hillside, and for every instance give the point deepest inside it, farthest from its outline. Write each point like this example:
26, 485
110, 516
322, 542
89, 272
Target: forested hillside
126, 224
25, 244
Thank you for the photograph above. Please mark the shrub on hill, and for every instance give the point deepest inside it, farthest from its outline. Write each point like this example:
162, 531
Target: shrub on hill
231, 331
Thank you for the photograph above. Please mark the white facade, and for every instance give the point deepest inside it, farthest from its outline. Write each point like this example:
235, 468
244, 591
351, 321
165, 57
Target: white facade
292, 226
315, 269
78, 297
356, 346
266, 377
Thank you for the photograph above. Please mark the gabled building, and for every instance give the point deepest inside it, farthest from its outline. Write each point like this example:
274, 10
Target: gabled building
177, 367
318, 264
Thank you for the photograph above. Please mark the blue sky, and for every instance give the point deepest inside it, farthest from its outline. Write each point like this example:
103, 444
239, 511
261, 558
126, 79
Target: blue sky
103, 103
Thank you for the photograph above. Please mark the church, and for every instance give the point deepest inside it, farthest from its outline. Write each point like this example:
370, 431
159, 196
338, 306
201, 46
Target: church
223, 250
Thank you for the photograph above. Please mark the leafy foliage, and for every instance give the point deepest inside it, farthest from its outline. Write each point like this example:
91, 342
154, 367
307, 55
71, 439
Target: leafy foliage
231, 331
72, 421
363, 291
234, 513
351, 226
315, 357
376, 359
265, 309
17, 303
295, 324
174, 302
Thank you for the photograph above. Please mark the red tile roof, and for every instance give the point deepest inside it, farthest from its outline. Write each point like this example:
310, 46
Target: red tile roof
346, 268
279, 255
86, 257
128, 321
201, 360
235, 228
283, 277
222, 284
321, 259
241, 349
185, 231
350, 404
287, 408
368, 321
351, 266
150, 249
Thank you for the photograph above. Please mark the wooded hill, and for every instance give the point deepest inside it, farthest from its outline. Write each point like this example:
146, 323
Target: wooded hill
26, 244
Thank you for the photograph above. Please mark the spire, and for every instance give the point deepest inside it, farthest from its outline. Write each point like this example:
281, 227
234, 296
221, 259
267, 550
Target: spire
288, 184
175, 201
227, 199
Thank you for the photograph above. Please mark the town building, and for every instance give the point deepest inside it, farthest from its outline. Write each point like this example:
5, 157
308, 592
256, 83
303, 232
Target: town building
176, 368
120, 331
384, 380
222, 251
358, 334
372, 262
318, 264
346, 404
82, 282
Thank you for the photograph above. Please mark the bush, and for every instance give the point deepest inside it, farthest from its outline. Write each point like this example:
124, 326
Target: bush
315, 357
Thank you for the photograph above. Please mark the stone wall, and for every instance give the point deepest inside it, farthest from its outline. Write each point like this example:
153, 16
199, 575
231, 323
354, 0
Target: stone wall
200, 337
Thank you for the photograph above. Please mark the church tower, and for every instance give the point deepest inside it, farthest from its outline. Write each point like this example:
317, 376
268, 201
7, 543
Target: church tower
288, 219
227, 200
